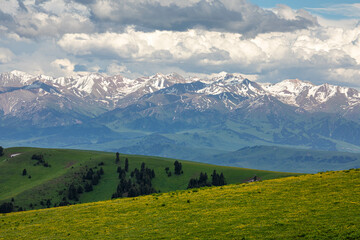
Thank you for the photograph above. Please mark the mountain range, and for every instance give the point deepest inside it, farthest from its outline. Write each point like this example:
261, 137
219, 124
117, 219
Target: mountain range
174, 116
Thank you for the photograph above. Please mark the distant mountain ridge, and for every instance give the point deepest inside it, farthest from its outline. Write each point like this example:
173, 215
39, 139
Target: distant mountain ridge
182, 115
110, 92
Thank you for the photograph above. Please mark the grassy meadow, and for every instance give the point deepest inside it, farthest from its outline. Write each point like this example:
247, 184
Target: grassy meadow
320, 206
68, 166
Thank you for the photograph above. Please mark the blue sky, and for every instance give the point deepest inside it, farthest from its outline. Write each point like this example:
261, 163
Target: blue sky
313, 6
318, 41
302, 3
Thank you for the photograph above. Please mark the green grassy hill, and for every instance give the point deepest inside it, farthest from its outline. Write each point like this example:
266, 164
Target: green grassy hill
49, 185
320, 206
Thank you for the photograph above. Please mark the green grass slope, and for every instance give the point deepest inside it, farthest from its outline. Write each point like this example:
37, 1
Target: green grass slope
320, 206
68, 166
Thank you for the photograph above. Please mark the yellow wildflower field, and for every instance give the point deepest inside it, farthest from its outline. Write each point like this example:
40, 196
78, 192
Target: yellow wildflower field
319, 206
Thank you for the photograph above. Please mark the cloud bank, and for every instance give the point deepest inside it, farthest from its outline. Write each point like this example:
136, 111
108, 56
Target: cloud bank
60, 37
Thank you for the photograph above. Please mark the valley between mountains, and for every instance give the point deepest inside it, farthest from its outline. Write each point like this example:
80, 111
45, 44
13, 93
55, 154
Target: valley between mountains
188, 118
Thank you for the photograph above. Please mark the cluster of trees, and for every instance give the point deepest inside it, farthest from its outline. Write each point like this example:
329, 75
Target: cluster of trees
46, 202
178, 168
93, 176
139, 182
90, 178
40, 160
1, 151
74, 192
218, 180
64, 202
6, 207
168, 172
122, 171
202, 181
117, 161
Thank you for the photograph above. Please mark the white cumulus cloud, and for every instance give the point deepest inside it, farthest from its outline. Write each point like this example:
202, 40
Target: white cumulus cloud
60, 37
64, 66
115, 69
332, 45
5, 55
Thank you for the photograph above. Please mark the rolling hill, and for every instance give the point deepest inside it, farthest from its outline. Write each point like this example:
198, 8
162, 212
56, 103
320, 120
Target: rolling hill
47, 182
321, 206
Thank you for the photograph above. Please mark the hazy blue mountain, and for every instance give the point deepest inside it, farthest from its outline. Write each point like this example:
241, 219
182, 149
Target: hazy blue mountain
291, 159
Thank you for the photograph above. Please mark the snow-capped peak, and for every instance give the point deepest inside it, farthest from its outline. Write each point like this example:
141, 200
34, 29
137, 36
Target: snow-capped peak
111, 89
307, 95
85, 83
22, 75
227, 77
158, 75
232, 83
288, 87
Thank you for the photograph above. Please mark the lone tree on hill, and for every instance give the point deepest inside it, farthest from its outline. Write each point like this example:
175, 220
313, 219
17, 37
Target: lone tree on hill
178, 167
1, 151
117, 158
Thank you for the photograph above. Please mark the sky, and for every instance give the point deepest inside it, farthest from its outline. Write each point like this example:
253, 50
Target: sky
269, 40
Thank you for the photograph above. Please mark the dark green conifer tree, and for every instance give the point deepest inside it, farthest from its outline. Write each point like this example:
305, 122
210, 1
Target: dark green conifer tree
80, 190
178, 167
215, 179
95, 180
73, 194
126, 164
117, 158
222, 180
89, 174
142, 167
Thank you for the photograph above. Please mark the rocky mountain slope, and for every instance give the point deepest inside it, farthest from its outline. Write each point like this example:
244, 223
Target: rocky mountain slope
110, 92
179, 115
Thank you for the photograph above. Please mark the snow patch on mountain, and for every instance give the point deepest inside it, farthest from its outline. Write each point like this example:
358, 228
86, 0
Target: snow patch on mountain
288, 90
24, 77
232, 89
232, 83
